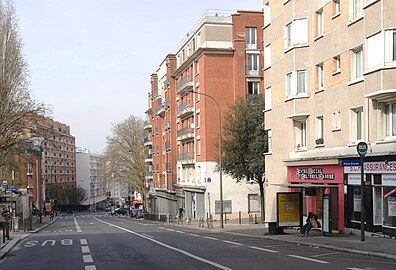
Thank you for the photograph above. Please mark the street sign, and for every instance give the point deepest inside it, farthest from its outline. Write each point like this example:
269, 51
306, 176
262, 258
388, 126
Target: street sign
347, 163
5, 183
362, 149
12, 189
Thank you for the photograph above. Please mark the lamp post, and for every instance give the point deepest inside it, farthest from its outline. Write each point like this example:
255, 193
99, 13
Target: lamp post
220, 168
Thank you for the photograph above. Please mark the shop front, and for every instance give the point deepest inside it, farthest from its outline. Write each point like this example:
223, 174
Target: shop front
318, 183
380, 196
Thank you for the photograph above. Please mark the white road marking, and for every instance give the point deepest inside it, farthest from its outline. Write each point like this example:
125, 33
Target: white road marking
83, 242
308, 259
210, 238
180, 232
263, 249
85, 249
147, 235
87, 258
354, 268
77, 226
90, 267
233, 243
194, 234
170, 247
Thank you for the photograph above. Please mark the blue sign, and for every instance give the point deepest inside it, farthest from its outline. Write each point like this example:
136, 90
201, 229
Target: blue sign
350, 163
12, 189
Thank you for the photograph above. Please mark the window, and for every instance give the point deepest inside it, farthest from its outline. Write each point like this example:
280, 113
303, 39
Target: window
296, 33
198, 147
269, 140
357, 9
267, 13
356, 64
319, 23
390, 46
253, 203
319, 130
336, 120
320, 77
356, 124
267, 56
295, 83
227, 206
337, 64
336, 7
250, 35
374, 50
196, 67
198, 123
390, 119
268, 98
253, 88
301, 134
252, 66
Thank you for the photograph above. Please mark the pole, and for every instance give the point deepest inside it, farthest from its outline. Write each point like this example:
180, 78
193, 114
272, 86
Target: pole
220, 167
362, 200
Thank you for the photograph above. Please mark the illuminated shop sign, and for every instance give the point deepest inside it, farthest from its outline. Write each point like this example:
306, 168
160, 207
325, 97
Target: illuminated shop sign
373, 167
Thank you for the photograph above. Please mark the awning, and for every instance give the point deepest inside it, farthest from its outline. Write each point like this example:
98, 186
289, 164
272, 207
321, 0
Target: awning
306, 185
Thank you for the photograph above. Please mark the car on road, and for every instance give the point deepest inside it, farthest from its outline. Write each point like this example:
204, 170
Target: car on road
119, 211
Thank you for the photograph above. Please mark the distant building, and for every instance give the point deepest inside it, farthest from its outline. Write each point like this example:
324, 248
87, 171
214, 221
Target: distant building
90, 177
220, 57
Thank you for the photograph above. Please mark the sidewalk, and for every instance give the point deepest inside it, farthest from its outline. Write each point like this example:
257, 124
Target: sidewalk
374, 244
15, 237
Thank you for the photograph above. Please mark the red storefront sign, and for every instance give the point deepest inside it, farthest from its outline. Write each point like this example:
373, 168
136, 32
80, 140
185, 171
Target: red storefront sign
316, 174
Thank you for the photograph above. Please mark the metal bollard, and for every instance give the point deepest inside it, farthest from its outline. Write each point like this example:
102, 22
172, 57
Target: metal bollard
240, 218
255, 219
4, 235
7, 230
225, 217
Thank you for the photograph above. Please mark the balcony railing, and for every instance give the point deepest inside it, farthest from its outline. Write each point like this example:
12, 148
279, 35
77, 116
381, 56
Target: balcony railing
147, 125
185, 109
160, 109
186, 158
148, 175
253, 71
166, 103
148, 157
184, 84
147, 140
185, 134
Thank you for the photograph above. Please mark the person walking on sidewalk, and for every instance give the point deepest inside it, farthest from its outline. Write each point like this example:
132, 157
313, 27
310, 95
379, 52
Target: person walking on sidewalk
312, 221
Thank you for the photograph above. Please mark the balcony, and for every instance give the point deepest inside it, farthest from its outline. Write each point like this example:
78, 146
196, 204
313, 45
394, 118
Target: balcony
185, 109
253, 71
148, 158
148, 175
184, 84
186, 158
185, 134
147, 141
147, 125
165, 83
252, 97
167, 124
160, 110
166, 103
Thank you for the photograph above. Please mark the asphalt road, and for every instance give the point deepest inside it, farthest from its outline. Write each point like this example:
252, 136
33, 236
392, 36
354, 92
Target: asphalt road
101, 241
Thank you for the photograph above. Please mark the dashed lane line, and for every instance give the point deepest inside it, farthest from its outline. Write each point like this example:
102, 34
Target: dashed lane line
90, 267
87, 258
85, 249
232, 243
308, 259
77, 226
169, 247
263, 249
83, 242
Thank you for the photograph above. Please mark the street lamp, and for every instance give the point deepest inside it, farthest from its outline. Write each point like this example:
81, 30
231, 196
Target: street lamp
220, 168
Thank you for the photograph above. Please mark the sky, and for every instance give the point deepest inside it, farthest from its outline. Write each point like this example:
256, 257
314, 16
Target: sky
91, 60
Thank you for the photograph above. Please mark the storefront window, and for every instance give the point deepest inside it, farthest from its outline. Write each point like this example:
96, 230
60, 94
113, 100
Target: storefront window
357, 203
390, 206
377, 206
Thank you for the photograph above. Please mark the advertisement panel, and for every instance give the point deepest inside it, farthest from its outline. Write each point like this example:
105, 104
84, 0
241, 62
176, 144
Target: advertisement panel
289, 209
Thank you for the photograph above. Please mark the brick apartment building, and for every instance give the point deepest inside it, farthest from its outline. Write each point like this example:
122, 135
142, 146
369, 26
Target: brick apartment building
330, 83
59, 157
220, 57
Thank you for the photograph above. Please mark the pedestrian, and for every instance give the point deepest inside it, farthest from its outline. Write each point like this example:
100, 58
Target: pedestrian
311, 221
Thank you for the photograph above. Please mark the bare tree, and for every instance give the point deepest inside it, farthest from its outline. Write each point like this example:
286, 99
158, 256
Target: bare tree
124, 154
18, 111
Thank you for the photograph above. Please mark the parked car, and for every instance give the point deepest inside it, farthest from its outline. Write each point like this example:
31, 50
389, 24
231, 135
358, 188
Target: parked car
137, 213
119, 211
